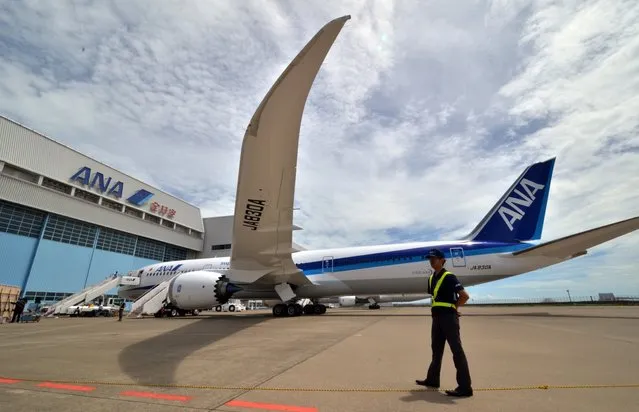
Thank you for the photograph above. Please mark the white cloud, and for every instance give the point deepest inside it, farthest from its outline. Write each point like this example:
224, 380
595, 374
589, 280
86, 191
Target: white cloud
422, 115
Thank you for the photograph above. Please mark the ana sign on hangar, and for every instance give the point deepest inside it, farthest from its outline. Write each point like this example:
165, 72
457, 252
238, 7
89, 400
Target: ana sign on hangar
115, 188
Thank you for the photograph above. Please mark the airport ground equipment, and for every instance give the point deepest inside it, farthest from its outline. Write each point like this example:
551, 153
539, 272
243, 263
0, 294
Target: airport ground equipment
107, 308
8, 294
156, 302
152, 301
233, 305
84, 296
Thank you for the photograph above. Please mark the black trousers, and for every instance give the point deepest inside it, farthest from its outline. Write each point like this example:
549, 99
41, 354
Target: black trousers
445, 328
16, 315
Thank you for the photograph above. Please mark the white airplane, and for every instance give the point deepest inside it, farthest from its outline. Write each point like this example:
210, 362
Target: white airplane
264, 266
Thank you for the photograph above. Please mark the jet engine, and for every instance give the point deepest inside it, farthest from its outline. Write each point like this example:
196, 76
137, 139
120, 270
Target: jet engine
200, 290
348, 301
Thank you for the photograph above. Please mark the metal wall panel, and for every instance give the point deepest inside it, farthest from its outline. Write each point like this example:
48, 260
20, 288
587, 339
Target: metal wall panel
80, 267
38, 197
106, 263
59, 267
35, 152
16, 253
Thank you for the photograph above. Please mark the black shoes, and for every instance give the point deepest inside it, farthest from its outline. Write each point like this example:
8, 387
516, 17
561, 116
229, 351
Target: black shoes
458, 392
426, 383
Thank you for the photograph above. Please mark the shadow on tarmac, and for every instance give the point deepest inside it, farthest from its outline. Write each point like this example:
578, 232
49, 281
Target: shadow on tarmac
428, 396
480, 315
155, 360
547, 315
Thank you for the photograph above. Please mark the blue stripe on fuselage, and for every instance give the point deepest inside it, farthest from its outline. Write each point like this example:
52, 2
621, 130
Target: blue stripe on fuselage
399, 257
396, 257
129, 289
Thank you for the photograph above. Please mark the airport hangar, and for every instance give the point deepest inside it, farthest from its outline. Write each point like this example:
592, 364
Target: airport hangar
68, 221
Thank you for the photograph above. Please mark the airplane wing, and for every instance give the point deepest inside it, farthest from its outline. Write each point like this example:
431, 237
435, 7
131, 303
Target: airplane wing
263, 222
577, 244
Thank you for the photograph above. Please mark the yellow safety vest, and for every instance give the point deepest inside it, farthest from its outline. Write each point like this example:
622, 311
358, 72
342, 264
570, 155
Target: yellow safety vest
439, 283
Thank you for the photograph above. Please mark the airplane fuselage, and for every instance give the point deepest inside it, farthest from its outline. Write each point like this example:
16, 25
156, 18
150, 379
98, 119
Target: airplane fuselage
364, 270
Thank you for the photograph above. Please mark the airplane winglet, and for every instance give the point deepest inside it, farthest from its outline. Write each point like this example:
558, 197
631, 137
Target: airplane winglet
330, 30
263, 219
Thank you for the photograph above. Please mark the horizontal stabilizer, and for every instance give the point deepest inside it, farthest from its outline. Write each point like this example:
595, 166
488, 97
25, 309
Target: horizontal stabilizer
569, 246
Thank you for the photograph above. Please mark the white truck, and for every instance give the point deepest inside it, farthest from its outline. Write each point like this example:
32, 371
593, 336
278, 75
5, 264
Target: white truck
106, 309
172, 312
233, 305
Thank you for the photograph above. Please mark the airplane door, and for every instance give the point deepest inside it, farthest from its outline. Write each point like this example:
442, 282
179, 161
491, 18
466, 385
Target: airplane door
458, 258
327, 264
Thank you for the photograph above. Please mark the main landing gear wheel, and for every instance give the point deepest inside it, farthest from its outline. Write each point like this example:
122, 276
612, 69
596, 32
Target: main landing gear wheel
374, 306
295, 309
319, 309
279, 310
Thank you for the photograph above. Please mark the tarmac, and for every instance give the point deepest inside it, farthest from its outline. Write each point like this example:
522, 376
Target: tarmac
538, 358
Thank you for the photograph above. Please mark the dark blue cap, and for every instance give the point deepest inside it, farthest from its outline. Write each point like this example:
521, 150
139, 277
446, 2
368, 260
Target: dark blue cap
435, 253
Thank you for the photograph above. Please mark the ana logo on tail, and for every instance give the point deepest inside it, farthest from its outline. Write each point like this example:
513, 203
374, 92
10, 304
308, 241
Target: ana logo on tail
514, 213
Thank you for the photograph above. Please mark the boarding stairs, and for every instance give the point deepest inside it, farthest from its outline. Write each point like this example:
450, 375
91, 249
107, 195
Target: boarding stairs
152, 301
85, 295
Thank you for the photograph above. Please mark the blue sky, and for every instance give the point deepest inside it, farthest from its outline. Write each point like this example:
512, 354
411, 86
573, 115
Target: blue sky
421, 117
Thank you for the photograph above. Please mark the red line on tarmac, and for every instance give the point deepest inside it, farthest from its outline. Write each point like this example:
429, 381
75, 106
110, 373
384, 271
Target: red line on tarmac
6, 380
66, 387
152, 395
270, 406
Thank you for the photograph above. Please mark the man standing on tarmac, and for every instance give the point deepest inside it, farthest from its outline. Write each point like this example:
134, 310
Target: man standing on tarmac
120, 311
19, 308
447, 295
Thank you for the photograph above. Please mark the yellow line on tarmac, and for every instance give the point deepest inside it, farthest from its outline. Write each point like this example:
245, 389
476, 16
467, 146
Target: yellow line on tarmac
360, 390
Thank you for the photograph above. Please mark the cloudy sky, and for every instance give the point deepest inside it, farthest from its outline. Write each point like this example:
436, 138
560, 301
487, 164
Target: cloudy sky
421, 117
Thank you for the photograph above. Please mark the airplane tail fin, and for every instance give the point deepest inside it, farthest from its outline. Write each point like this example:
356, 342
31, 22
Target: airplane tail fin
519, 214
